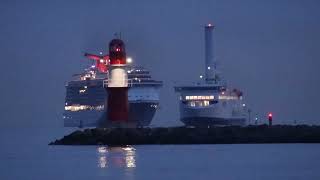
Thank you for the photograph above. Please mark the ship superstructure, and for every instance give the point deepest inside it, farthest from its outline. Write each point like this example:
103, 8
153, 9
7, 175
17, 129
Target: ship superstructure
210, 102
85, 103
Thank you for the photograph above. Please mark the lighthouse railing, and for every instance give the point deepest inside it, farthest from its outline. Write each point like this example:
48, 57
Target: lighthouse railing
106, 82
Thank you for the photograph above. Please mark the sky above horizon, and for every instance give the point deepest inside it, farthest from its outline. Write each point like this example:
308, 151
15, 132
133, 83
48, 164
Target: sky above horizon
269, 49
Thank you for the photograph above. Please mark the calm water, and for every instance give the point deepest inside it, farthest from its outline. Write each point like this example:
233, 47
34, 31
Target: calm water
33, 159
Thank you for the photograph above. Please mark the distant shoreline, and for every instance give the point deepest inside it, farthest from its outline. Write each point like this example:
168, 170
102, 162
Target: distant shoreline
183, 135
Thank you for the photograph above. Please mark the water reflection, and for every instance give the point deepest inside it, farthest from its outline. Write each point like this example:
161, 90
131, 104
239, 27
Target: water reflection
102, 151
130, 157
102, 162
116, 157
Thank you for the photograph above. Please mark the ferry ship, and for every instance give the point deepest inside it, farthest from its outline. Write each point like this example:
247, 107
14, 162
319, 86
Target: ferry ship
211, 102
85, 102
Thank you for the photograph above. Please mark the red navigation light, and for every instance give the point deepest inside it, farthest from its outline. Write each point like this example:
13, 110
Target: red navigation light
270, 119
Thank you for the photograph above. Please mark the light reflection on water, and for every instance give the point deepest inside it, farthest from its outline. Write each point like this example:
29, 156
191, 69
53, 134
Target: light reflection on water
116, 157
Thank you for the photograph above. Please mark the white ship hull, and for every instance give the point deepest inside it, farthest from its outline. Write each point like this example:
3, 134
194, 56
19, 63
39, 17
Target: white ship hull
85, 104
210, 116
140, 114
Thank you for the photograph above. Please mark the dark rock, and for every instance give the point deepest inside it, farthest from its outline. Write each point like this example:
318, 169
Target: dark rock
185, 135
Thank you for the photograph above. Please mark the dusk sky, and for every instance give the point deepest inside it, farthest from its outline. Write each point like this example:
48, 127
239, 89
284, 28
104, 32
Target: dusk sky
269, 49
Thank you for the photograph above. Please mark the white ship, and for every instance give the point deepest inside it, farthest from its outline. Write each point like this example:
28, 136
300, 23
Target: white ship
86, 97
210, 102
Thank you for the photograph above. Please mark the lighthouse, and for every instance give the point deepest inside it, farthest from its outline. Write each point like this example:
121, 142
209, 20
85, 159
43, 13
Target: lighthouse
117, 86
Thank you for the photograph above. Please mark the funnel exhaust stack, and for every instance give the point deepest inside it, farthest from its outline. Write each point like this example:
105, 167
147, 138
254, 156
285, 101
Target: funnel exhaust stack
209, 55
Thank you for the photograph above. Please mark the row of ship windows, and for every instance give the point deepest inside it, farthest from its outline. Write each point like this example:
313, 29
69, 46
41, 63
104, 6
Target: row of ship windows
85, 98
198, 103
81, 91
85, 87
199, 97
221, 97
84, 90
75, 108
224, 97
100, 98
83, 107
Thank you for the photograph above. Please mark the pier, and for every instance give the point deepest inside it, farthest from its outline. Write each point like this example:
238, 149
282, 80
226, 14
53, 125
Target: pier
186, 135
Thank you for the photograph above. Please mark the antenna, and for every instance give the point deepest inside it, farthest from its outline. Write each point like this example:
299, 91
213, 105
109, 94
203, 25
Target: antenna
117, 35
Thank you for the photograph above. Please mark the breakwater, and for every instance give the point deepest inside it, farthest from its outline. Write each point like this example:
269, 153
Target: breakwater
185, 135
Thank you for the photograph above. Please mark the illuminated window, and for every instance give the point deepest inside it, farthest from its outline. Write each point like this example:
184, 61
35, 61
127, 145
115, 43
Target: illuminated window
192, 103
228, 97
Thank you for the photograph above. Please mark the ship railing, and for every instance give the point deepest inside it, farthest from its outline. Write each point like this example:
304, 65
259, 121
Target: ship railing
147, 83
132, 82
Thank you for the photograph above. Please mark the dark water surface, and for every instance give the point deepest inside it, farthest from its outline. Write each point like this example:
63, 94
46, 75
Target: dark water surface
31, 158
